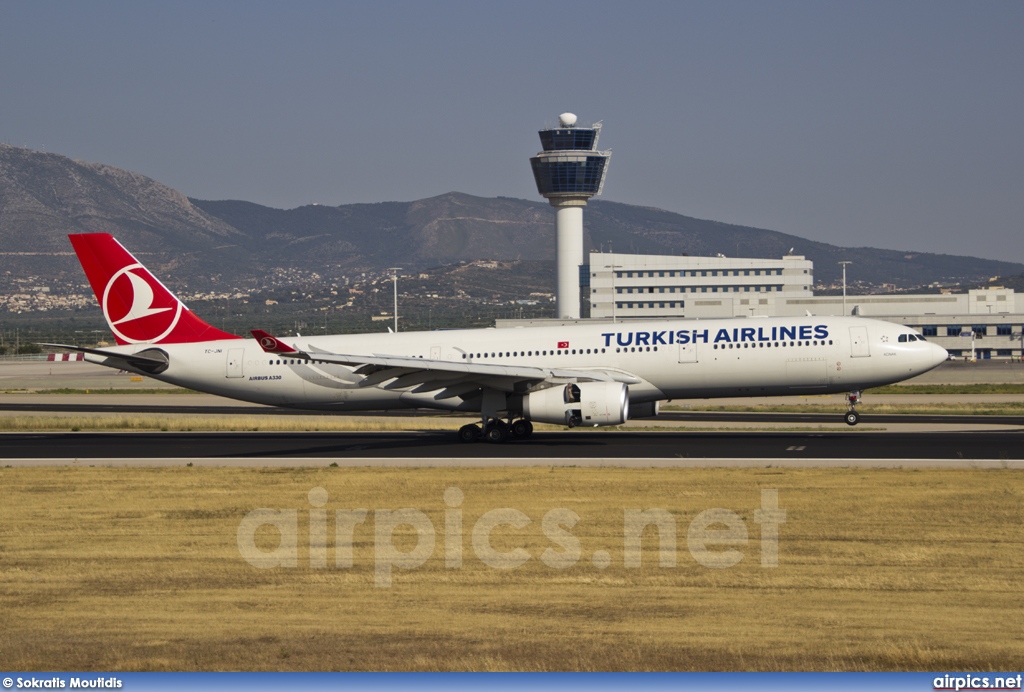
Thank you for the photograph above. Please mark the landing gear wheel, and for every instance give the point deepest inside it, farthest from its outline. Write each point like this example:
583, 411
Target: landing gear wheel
522, 428
469, 433
496, 431
852, 418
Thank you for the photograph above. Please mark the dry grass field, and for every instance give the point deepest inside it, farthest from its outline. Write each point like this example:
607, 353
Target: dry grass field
140, 569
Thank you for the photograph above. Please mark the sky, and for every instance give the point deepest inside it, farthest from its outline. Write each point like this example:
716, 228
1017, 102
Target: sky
894, 124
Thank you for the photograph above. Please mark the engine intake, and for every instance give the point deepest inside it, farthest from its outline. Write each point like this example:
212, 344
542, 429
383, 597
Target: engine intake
586, 403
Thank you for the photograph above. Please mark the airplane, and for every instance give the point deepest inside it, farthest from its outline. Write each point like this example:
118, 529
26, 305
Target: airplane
598, 374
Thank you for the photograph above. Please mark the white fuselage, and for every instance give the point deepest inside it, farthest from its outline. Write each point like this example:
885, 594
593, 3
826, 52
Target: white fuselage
673, 359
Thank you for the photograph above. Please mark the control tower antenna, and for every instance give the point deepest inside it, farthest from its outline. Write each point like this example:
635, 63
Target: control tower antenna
568, 172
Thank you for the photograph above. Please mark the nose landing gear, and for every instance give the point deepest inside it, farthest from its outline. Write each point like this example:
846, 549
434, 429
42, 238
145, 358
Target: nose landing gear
852, 417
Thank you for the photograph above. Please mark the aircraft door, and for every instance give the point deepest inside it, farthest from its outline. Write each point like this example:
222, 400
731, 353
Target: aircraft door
859, 347
435, 353
688, 353
235, 357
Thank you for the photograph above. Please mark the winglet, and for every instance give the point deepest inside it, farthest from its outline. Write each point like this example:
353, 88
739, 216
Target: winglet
271, 344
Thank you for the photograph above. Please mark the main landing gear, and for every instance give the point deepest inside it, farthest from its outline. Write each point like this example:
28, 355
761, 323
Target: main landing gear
852, 417
496, 430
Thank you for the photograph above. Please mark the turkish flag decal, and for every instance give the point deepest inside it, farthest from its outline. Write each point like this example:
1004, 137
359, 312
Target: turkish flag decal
563, 344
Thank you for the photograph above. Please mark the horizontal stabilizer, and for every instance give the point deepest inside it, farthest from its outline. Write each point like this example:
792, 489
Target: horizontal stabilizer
151, 360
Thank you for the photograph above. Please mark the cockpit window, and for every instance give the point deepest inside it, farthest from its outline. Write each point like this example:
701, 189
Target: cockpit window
904, 338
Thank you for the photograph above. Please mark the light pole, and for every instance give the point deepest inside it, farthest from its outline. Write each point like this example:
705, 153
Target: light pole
613, 267
844, 263
394, 280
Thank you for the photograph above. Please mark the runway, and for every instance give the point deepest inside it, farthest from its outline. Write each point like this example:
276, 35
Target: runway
989, 448
665, 416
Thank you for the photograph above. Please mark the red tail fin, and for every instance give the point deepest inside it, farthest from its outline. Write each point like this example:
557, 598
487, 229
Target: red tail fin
138, 308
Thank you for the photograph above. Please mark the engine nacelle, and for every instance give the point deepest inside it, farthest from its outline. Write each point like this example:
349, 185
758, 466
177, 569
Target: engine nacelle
648, 409
586, 403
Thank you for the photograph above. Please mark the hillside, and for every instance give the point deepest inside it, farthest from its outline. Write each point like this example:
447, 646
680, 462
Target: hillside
202, 244
44, 197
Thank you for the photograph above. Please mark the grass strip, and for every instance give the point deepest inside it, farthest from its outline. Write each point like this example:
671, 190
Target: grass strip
126, 569
948, 389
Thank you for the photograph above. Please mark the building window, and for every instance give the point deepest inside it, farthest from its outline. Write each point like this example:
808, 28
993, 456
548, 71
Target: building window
980, 330
1004, 330
930, 330
953, 330
1004, 352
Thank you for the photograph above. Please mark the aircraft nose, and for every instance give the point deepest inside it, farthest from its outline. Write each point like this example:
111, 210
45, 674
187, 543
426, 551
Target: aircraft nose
938, 354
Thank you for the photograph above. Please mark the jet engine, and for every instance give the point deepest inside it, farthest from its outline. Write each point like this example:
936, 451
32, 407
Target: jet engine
585, 403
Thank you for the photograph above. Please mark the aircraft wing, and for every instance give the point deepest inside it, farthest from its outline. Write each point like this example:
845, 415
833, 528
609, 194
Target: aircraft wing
425, 374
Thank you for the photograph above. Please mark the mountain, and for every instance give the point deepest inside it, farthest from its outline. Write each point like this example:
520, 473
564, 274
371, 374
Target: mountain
44, 197
203, 244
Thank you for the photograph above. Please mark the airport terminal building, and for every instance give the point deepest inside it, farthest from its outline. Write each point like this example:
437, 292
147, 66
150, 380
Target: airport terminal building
987, 323
650, 286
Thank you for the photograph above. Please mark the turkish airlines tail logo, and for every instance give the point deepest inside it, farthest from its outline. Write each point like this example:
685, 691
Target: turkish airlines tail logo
138, 308
142, 299
133, 310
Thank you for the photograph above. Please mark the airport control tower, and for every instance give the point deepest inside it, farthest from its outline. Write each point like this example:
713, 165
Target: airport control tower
569, 171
